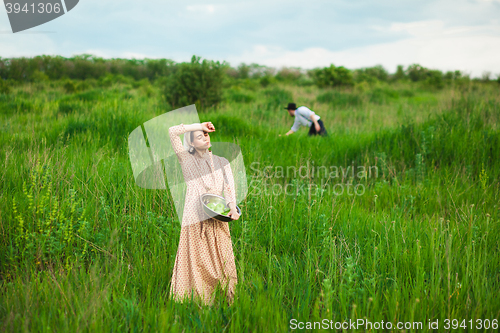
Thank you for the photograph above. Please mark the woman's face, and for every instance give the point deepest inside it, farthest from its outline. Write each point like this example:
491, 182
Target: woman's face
201, 140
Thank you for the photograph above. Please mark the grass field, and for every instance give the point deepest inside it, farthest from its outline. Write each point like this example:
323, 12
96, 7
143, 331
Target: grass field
82, 248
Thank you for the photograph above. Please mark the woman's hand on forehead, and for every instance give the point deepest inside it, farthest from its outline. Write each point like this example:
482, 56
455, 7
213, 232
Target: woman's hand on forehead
208, 126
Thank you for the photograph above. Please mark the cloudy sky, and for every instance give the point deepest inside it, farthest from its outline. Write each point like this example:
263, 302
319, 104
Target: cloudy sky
440, 34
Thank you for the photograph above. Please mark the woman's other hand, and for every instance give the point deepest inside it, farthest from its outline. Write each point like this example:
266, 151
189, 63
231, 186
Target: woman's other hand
207, 126
233, 213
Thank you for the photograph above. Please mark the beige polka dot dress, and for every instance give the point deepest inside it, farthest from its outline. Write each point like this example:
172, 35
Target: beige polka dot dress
205, 255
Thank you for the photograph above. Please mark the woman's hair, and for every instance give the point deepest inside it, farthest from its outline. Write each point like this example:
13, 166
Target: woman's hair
192, 151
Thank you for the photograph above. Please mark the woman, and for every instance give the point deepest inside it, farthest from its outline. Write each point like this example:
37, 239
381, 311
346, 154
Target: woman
205, 255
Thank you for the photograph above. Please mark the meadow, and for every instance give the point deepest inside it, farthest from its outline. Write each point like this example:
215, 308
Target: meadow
84, 249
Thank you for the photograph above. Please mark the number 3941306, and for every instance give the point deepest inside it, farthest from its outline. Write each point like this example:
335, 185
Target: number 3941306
40, 8
479, 324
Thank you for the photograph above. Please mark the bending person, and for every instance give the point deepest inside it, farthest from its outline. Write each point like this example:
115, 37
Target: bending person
305, 117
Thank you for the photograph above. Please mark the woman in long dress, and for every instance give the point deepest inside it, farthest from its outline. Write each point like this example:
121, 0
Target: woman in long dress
205, 255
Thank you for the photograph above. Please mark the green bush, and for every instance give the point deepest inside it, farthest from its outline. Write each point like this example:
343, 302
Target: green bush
233, 126
371, 74
39, 76
147, 90
109, 79
86, 84
69, 107
383, 95
7, 104
76, 126
250, 84
50, 226
266, 80
69, 86
428, 78
416, 72
278, 98
196, 82
434, 79
88, 96
73, 103
4, 87
238, 96
400, 74
141, 83
81, 67
290, 75
11, 105
332, 76
305, 81
450, 76
407, 93
106, 81
243, 71
340, 99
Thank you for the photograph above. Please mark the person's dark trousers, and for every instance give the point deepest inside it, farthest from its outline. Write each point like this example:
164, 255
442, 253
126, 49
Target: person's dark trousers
322, 130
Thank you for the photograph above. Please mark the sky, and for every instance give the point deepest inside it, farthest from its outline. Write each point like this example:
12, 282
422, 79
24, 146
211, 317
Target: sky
440, 34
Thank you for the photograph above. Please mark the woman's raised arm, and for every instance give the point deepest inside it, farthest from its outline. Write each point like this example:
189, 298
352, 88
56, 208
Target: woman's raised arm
176, 142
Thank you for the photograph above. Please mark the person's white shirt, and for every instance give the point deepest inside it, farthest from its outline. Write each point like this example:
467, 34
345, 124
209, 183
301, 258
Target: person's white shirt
303, 118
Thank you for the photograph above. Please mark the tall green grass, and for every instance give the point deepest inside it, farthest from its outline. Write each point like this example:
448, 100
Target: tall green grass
82, 248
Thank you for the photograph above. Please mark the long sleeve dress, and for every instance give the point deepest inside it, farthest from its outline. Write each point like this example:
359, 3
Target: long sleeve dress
205, 255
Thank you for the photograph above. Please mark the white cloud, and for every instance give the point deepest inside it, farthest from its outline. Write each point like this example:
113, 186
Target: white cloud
201, 8
444, 34
26, 44
470, 49
419, 28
